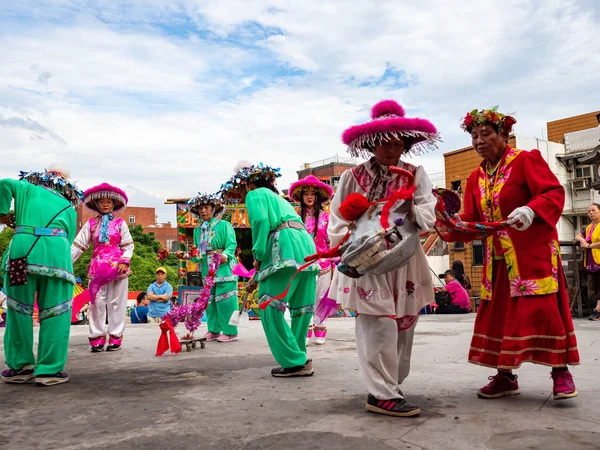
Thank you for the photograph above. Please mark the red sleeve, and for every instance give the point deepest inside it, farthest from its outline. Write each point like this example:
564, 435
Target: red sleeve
470, 211
548, 195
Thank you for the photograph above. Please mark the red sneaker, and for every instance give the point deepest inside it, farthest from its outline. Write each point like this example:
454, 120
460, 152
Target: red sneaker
499, 386
564, 386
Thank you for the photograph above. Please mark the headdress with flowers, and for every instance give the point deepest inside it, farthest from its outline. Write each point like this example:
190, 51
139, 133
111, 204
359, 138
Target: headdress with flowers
503, 122
205, 199
233, 189
56, 181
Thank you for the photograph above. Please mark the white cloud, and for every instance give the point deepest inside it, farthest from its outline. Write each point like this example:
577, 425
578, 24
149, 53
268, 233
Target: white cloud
132, 93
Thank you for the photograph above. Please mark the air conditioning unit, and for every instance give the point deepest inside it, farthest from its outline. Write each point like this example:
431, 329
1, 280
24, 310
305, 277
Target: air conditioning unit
580, 184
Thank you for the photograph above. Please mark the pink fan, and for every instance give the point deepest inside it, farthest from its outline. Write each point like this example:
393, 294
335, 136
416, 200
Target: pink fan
327, 307
104, 273
241, 271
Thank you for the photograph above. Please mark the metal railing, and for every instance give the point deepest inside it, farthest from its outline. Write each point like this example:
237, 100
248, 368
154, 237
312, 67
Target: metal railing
324, 162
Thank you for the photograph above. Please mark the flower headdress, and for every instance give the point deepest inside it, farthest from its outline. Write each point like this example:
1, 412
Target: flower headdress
56, 181
502, 122
205, 199
244, 175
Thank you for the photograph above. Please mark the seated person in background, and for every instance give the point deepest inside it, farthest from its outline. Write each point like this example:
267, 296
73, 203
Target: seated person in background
139, 314
459, 297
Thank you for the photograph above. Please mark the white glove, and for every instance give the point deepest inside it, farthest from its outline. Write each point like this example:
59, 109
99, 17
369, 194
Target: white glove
524, 215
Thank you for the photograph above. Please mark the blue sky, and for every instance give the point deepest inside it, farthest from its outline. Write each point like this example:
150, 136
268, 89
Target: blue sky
164, 98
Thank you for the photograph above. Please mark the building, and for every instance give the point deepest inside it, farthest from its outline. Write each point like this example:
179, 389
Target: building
137, 215
327, 170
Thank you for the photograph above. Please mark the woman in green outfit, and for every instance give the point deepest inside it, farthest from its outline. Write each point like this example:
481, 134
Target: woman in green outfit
279, 245
45, 221
216, 236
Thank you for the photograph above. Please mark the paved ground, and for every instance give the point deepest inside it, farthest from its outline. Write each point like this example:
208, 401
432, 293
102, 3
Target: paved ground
223, 397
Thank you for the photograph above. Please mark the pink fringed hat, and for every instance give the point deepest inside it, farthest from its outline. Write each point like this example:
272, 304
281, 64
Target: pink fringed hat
297, 188
388, 123
105, 190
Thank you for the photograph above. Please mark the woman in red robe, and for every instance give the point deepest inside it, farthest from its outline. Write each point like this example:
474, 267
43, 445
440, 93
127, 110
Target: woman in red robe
524, 314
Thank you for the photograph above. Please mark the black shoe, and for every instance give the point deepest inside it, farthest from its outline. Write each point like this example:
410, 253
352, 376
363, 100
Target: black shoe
17, 376
305, 370
51, 380
113, 348
397, 407
595, 315
97, 348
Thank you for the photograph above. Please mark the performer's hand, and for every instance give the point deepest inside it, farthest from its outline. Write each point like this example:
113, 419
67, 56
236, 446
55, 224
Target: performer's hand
123, 268
223, 258
521, 218
256, 265
8, 220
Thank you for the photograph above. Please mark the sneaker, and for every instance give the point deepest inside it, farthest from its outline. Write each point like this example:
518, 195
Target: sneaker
97, 348
564, 386
210, 336
228, 338
307, 342
17, 376
397, 407
499, 386
595, 315
113, 348
305, 370
51, 380
320, 341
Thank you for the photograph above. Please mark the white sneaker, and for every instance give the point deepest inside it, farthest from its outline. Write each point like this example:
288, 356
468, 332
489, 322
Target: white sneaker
320, 341
307, 342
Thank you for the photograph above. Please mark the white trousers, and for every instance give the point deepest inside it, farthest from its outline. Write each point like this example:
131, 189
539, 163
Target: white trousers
383, 354
111, 298
323, 283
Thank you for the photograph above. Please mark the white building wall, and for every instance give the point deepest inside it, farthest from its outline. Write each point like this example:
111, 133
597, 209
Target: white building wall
438, 264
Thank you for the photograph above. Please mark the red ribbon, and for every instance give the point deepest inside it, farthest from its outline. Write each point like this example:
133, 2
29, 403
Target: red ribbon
169, 340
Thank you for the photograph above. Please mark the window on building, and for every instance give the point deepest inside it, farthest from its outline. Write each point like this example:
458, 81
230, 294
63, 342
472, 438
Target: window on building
335, 181
584, 172
459, 246
456, 186
132, 219
478, 255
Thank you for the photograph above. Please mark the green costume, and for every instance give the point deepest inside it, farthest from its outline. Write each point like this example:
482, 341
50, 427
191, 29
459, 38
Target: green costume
280, 243
218, 235
50, 276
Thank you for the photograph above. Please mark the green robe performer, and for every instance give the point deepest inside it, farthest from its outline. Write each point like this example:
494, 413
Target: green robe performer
45, 222
217, 236
279, 245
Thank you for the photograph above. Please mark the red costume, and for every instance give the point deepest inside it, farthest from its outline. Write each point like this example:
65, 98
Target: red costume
524, 314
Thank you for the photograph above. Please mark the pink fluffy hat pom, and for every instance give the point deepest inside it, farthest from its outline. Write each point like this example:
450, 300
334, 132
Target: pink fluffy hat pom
389, 123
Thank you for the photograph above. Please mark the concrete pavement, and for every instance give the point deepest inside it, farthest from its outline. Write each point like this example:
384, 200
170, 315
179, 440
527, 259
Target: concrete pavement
223, 397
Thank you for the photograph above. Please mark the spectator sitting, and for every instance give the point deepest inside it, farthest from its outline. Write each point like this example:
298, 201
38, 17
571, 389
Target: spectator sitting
139, 314
460, 275
459, 298
159, 294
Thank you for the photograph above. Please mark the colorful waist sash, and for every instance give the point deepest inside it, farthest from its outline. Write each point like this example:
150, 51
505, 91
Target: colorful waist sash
34, 231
